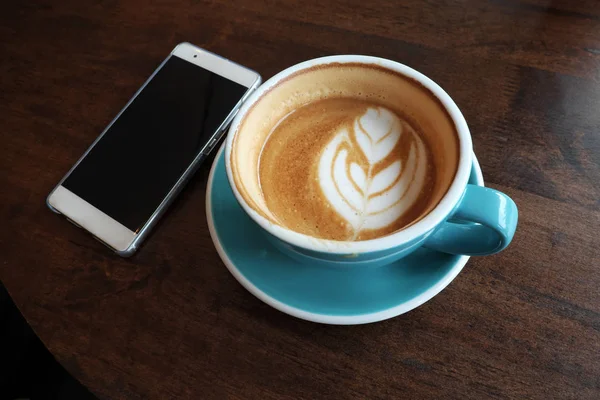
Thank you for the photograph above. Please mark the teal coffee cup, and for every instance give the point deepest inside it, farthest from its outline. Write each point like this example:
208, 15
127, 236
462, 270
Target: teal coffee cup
388, 207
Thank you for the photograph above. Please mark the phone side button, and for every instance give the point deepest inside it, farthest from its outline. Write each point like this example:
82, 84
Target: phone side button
210, 146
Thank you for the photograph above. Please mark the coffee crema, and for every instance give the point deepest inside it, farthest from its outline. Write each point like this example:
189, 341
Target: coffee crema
345, 152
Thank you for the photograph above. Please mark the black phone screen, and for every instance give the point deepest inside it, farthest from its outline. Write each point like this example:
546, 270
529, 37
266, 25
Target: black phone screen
138, 160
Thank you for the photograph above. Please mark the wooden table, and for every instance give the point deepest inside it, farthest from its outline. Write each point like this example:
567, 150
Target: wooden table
172, 322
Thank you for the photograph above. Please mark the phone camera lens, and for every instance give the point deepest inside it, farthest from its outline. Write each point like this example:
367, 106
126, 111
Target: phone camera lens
195, 55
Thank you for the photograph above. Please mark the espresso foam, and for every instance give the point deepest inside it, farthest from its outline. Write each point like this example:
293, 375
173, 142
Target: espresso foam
345, 169
345, 151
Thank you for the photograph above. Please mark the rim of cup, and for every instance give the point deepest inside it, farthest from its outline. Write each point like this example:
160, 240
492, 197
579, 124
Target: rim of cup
418, 229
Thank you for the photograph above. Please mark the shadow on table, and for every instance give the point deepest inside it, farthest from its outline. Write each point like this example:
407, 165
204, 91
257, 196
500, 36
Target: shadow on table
27, 369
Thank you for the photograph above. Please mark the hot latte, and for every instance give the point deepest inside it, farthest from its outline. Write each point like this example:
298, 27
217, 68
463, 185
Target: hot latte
345, 152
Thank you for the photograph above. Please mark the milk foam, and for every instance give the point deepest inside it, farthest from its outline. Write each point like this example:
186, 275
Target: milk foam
377, 193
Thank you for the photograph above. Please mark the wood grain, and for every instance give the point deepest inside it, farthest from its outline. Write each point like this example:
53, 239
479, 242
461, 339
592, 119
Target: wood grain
172, 323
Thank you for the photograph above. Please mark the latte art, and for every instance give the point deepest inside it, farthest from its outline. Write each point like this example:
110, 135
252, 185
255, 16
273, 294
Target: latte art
345, 169
374, 193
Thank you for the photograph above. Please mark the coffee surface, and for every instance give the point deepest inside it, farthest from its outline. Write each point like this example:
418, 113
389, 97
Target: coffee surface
344, 151
345, 169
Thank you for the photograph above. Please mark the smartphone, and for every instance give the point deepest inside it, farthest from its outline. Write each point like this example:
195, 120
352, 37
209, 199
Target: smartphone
127, 178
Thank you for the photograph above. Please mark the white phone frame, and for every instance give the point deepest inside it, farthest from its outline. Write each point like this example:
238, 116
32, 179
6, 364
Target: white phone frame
109, 231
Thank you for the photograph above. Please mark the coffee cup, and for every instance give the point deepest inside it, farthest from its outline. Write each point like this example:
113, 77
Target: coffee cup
358, 161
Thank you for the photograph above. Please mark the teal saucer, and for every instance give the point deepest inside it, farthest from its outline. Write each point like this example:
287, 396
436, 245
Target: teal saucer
343, 296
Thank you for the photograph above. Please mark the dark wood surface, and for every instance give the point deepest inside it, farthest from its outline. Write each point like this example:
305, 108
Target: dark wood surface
172, 322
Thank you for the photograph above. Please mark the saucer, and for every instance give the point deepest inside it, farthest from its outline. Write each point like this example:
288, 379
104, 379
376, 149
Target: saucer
341, 296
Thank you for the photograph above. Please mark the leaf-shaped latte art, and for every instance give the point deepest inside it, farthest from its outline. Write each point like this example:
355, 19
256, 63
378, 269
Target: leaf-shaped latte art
369, 197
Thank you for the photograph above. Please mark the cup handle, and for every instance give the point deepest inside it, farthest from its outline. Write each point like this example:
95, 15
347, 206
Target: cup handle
483, 223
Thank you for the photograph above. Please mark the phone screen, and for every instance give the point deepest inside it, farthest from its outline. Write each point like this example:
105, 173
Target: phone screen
131, 169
